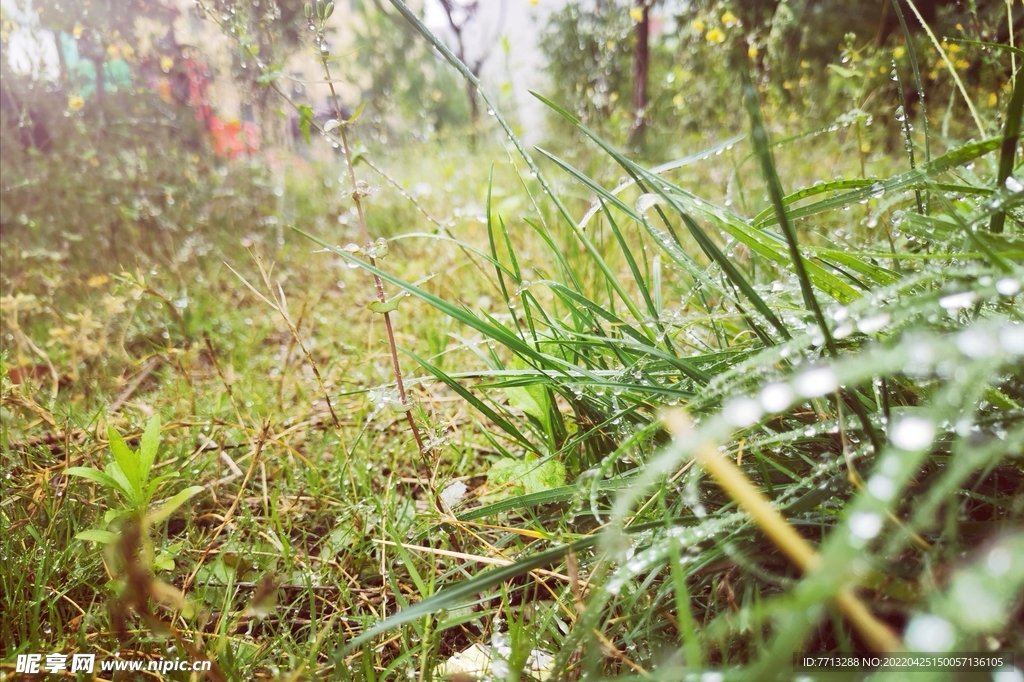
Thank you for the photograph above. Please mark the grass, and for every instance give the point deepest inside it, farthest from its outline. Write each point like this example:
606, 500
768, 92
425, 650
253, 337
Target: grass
787, 419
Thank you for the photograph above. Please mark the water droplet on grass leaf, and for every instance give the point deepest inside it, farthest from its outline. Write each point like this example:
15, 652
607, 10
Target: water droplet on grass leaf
1008, 286
929, 633
776, 397
912, 433
865, 525
955, 302
817, 382
646, 201
742, 412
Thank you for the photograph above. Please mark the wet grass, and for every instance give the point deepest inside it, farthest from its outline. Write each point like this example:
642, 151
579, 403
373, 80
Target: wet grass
838, 470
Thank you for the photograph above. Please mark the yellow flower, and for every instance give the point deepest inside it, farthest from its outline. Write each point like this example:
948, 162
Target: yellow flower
534, 2
962, 63
165, 64
697, 25
636, 14
97, 280
77, 31
865, 147
898, 52
715, 36
75, 102
954, 48
804, 64
752, 51
729, 19
993, 99
678, 100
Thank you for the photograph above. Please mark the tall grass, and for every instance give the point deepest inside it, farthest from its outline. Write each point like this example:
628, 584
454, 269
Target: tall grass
869, 398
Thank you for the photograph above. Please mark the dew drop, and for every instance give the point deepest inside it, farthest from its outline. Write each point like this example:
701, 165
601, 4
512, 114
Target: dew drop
1008, 286
742, 412
815, 383
912, 433
646, 201
998, 561
975, 343
881, 487
955, 302
929, 633
873, 324
776, 397
865, 525
1011, 338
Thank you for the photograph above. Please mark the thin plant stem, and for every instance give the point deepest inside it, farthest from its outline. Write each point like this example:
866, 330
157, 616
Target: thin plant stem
357, 195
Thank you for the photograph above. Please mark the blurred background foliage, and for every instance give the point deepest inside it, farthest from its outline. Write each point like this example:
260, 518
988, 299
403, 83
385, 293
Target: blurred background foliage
815, 60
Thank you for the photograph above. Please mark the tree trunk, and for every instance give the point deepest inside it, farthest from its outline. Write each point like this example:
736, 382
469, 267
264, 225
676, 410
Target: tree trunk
641, 64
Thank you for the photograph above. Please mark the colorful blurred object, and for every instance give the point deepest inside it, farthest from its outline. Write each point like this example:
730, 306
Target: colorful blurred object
232, 138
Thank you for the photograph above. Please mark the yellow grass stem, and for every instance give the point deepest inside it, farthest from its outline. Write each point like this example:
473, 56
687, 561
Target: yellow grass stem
877, 634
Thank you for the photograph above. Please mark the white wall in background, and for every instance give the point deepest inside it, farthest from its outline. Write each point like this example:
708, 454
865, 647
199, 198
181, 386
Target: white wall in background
508, 75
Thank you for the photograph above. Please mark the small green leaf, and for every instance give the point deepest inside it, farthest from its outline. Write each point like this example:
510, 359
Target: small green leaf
127, 460
168, 507
155, 484
163, 562
148, 447
387, 306
544, 476
123, 484
305, 118
94, 475
103, 537
359, 111
511, 477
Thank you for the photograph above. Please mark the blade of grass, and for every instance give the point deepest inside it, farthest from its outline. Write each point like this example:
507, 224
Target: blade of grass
448, 597
761, 144
950, 160
1008, 151
707, 245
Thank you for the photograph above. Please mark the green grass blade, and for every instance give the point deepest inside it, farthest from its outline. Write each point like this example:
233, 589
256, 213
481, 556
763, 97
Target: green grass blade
918, 82
760, 137
763, 218
1008, 150
706, 244
480, 405
450, 596
953, 159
